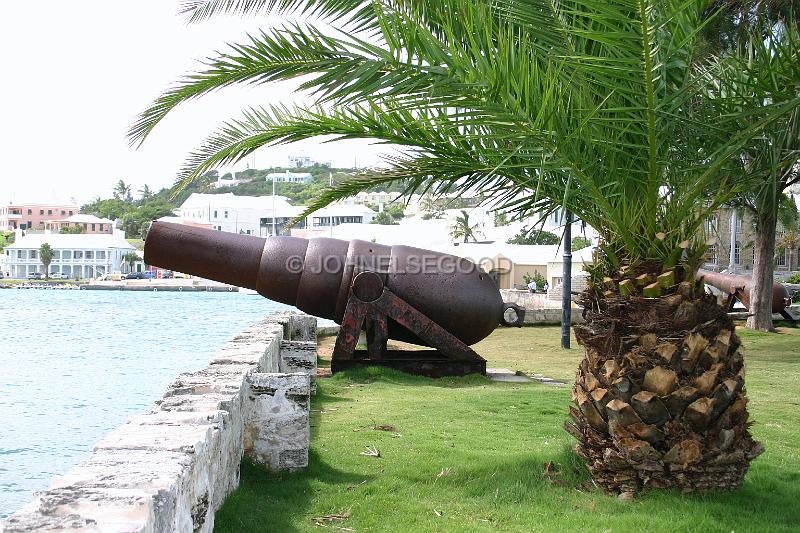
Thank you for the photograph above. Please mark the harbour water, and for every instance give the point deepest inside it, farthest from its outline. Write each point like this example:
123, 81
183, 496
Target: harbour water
76, 364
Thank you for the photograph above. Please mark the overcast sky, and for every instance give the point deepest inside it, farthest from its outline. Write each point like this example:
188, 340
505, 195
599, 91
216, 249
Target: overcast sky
75, 74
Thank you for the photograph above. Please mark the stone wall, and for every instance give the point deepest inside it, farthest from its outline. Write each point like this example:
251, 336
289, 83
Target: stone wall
171, 469
538, 309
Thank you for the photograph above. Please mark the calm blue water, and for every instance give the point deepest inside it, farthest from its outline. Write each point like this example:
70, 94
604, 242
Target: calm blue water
76, 364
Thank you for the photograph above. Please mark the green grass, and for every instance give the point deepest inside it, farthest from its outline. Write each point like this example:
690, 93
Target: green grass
136, 243
469, 455
14, 281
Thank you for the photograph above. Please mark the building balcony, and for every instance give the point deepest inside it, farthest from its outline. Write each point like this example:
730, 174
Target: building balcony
37, 261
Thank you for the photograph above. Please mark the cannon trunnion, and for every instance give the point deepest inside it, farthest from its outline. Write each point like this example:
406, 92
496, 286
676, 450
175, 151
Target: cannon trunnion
392, 292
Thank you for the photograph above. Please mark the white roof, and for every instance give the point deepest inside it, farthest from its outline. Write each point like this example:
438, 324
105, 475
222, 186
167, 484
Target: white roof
100, 241
342, 210
521, 254
288, 173
87, 219
231, 201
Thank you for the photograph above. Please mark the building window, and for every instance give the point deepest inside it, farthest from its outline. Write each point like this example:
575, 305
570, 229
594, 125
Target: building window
712, 224
216, 215
30, 211
713, 254
737, 260
101, 254
739, 225
77, 254
63, 212
102, 227
226, 214
33, 254
89, 254
66, 255
70, 213
93, 227
49, 211
41, 212
780, 260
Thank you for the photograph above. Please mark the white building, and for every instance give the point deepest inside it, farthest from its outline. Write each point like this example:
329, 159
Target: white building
226, 182
375, 198
290, 177
253, 215
300, 161
250, 215
75, 255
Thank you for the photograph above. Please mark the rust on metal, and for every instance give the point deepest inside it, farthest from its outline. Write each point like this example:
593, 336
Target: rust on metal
391, 292
738, 287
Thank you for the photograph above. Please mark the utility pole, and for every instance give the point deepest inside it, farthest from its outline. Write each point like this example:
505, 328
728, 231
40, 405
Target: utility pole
566, 283
732, 254
274, 231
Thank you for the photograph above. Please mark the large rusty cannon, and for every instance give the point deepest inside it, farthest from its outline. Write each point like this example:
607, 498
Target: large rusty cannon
391, 292
737, 287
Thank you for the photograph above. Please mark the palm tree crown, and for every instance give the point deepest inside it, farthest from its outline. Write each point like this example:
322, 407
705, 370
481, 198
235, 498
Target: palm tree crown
594, 106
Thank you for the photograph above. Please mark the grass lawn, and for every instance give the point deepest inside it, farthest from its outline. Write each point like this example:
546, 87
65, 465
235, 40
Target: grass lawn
469, 455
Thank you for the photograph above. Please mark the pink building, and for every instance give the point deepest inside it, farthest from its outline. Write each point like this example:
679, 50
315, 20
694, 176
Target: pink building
88, 224
33, 216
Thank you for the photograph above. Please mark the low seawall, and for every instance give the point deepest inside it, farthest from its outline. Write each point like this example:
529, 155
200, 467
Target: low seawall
171, 468
539, 310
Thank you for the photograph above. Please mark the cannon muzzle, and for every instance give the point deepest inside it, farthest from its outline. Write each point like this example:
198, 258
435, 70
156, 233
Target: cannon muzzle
315, 275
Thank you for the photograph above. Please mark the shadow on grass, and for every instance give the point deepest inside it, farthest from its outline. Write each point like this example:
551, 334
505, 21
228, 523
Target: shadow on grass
267, 501
373, 374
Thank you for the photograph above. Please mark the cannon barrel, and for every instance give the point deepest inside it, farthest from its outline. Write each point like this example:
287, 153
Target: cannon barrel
315, 275
741, 285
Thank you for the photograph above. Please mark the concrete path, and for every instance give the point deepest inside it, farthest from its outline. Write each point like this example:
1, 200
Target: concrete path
506, 375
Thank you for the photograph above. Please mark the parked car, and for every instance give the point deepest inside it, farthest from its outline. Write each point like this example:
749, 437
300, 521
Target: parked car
34, 275
135, 275
149, 274
110, 276
167, 274
58, 275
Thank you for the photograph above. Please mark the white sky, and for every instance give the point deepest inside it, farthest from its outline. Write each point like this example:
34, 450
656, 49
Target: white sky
75, 75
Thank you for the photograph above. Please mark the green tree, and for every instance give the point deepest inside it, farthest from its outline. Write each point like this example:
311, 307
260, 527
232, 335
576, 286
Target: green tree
770, 162
462, 228
46, 254
606, 109
580, 242
384, 218
130, 258
534, 237
122, 191
71, 230
146, 193
6, 238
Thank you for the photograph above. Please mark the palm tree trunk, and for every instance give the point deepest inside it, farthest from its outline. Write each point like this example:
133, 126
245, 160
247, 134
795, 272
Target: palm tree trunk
660, 393
761, 290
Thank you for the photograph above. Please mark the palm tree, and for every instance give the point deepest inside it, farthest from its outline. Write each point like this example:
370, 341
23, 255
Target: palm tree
130, 258
122, 191
146, 192
600, 108
46, 257
462, 229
